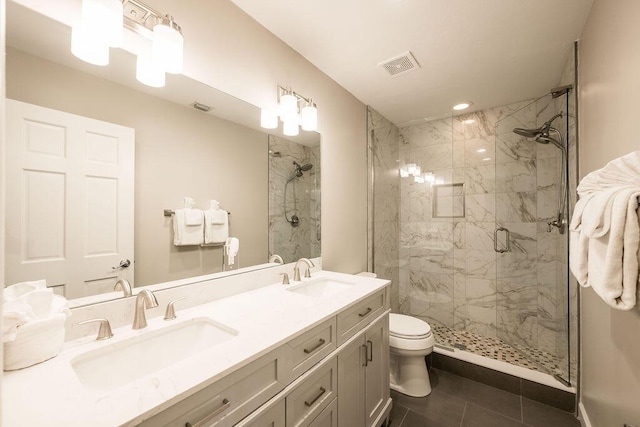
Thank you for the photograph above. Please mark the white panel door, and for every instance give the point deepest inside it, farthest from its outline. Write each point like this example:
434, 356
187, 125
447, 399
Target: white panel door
70, 200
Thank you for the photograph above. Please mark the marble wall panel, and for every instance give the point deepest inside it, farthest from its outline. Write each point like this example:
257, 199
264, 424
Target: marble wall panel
517, 176
428, 133
516, 207
384, 138
512, 147
480, 179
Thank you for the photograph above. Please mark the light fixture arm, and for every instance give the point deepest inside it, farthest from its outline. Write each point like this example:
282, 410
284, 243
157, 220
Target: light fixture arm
283, 91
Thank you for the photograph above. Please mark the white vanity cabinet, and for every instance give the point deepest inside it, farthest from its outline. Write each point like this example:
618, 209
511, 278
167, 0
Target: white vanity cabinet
336, 373
363, 376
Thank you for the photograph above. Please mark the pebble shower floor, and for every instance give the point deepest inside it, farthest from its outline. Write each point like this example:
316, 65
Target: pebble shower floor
497, 349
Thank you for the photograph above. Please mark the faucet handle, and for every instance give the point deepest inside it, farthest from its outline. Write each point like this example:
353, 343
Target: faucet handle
104, 332
285, 278
170, 313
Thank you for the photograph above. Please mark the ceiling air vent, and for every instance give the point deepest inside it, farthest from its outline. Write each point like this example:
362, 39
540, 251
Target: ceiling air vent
400, 64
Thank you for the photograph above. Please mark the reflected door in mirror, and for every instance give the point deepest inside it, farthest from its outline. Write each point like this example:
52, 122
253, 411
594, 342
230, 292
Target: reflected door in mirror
69, 213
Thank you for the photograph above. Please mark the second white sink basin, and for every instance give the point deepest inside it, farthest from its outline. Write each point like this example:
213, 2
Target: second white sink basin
321, 287
123, 362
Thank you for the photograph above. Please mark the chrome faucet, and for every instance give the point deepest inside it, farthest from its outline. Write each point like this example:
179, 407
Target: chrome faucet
124, 286
145, 299
276, 258
296, 269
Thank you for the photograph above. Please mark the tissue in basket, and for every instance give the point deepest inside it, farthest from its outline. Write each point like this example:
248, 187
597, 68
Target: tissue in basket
35, 342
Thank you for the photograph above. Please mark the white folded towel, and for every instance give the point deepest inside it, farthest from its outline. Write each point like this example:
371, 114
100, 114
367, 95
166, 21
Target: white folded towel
193, 217
605, 232
28, 302
183, 234
216, 226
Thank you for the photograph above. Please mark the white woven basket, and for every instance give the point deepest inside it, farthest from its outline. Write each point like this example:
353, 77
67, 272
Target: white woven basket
35, 342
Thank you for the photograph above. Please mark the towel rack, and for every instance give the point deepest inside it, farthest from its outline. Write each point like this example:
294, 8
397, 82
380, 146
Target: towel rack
170, 212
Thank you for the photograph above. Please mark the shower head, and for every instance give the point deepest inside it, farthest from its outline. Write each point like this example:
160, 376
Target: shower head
541, 134
301, 168
528, 133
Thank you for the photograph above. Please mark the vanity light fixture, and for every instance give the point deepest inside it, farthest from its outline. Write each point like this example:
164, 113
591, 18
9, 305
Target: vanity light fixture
294, 110
462, 106
268, 119
101, 27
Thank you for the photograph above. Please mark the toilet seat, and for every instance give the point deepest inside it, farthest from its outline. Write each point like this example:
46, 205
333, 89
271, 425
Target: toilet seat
407, 327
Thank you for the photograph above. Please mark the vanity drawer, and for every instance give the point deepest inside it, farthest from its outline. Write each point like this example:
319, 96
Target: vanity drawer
311, 396
311, 347
229, 400
351, 320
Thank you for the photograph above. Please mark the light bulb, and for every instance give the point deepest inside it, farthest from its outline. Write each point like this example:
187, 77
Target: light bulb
309, 118
149, 72
268, 119
168, 45
429, 177
417, 171
290, 127
84, 47
102, 20
288, 108
411, 168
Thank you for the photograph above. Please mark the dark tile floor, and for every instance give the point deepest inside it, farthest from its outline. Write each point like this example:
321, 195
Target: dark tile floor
459, 402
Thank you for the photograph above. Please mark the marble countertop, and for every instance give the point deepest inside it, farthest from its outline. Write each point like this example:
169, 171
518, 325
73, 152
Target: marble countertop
51, 394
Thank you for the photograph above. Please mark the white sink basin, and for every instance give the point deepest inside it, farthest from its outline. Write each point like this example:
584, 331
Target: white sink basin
123, 362
322, 287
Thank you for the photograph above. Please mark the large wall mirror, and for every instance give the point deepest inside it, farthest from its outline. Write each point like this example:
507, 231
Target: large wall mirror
270, 184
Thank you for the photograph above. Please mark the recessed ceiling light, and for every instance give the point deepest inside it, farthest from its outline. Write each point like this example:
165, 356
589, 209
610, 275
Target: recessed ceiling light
462, 106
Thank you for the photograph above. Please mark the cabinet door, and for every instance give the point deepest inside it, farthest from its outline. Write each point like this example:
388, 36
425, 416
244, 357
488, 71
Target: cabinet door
351, 387
376, 370
327, 417
266, 416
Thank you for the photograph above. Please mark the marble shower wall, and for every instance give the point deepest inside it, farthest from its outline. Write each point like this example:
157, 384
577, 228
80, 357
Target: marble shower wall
385, 180
292, 243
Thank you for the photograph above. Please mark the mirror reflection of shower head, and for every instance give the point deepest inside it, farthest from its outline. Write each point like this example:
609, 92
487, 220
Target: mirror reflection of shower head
301, 168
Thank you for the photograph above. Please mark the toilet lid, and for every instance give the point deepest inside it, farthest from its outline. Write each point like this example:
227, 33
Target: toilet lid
408, 327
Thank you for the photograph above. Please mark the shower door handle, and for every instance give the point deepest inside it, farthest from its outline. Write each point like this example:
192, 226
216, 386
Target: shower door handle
507, 247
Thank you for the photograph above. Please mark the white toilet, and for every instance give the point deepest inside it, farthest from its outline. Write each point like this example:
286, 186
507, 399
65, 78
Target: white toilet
410, 340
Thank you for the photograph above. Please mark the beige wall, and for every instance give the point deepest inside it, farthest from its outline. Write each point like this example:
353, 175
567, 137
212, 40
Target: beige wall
228, 50
179, 152
609, 74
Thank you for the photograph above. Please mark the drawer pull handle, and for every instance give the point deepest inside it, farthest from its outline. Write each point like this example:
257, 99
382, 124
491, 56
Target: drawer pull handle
366, 351
367, 311
321, 342
207, 418
369, 351
315, 399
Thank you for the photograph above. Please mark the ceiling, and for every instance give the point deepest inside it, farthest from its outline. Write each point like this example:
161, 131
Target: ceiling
490, 52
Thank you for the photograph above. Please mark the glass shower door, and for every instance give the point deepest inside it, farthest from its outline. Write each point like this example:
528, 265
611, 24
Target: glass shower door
532, 254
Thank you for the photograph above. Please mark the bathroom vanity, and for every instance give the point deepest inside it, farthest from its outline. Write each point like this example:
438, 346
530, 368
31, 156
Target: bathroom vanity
314, 353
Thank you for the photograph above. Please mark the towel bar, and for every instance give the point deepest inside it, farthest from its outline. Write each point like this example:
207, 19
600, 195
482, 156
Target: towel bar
170, 212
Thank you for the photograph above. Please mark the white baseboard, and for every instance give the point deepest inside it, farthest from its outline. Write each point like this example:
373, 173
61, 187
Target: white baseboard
582, 416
